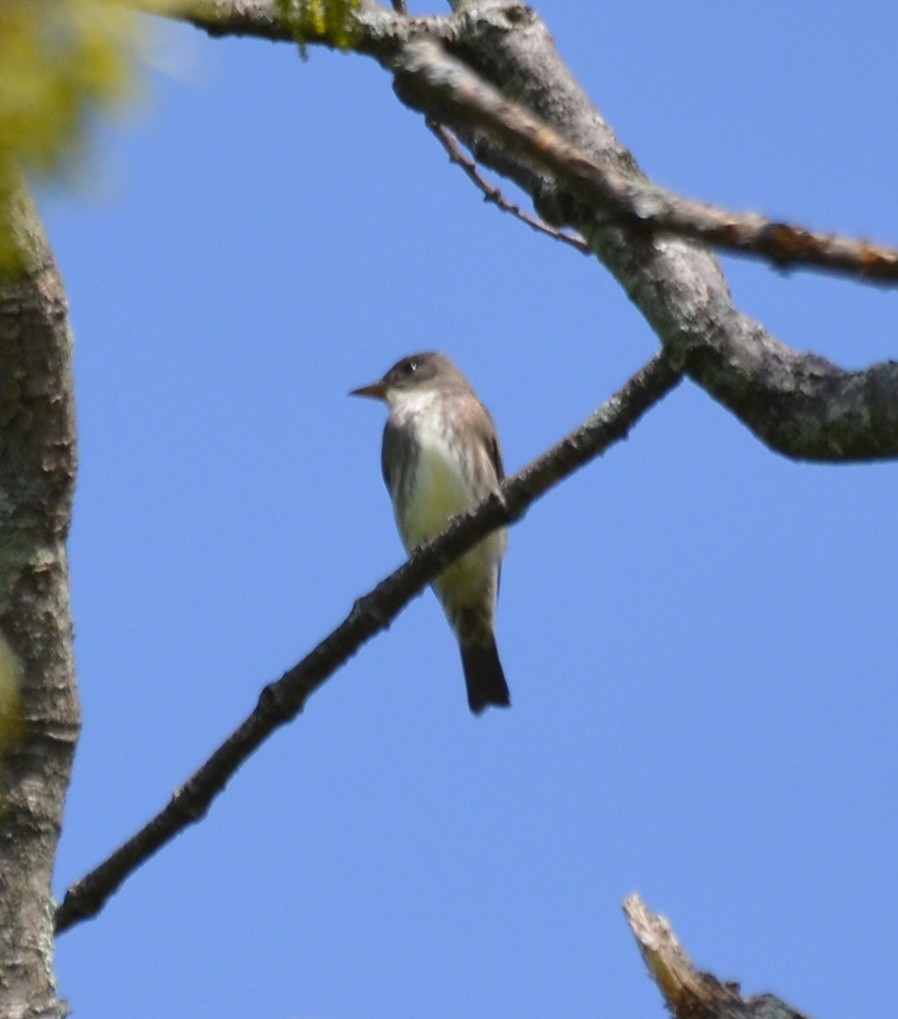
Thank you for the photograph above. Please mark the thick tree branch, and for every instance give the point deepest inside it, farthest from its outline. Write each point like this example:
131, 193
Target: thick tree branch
799, 404
538, 127
281, 702
688, 993
39, 713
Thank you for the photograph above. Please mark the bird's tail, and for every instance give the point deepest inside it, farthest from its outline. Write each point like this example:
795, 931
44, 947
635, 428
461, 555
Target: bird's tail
484, 677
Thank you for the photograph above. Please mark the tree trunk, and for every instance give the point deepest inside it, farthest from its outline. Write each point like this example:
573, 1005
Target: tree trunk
39, 711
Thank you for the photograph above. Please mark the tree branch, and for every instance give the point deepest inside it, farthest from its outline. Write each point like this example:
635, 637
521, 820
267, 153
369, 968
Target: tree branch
621, 196
281, 701
688, 993
510, 98
430, 79
799, 404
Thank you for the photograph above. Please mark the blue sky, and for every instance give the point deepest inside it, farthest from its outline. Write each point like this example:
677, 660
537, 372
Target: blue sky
698, 635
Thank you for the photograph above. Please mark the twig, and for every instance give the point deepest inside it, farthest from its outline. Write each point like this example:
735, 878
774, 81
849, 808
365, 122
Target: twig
493, 194
281, 701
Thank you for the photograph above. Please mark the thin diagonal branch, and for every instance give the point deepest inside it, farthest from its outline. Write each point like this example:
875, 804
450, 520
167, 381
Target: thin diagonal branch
281, 701
494, 194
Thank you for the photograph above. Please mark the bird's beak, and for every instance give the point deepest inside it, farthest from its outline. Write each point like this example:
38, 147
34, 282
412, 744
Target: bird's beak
377, 391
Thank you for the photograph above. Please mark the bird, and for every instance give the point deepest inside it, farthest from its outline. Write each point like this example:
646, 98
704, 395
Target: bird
441, 457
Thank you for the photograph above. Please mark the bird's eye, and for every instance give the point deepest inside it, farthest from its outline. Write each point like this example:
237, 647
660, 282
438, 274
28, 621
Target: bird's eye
410, 367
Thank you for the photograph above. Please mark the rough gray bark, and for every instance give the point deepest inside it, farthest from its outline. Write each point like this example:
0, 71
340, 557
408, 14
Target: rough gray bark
37, 472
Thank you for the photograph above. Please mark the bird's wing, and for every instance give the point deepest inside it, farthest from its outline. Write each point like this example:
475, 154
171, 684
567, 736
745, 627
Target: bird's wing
397, 453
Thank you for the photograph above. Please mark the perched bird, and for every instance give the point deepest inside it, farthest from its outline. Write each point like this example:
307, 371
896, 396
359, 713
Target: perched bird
441, 457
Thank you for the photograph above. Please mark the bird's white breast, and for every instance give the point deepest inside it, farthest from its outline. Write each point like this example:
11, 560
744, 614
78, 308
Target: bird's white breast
441, 488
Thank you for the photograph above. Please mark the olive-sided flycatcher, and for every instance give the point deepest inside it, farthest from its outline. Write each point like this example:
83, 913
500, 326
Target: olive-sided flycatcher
441, 457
